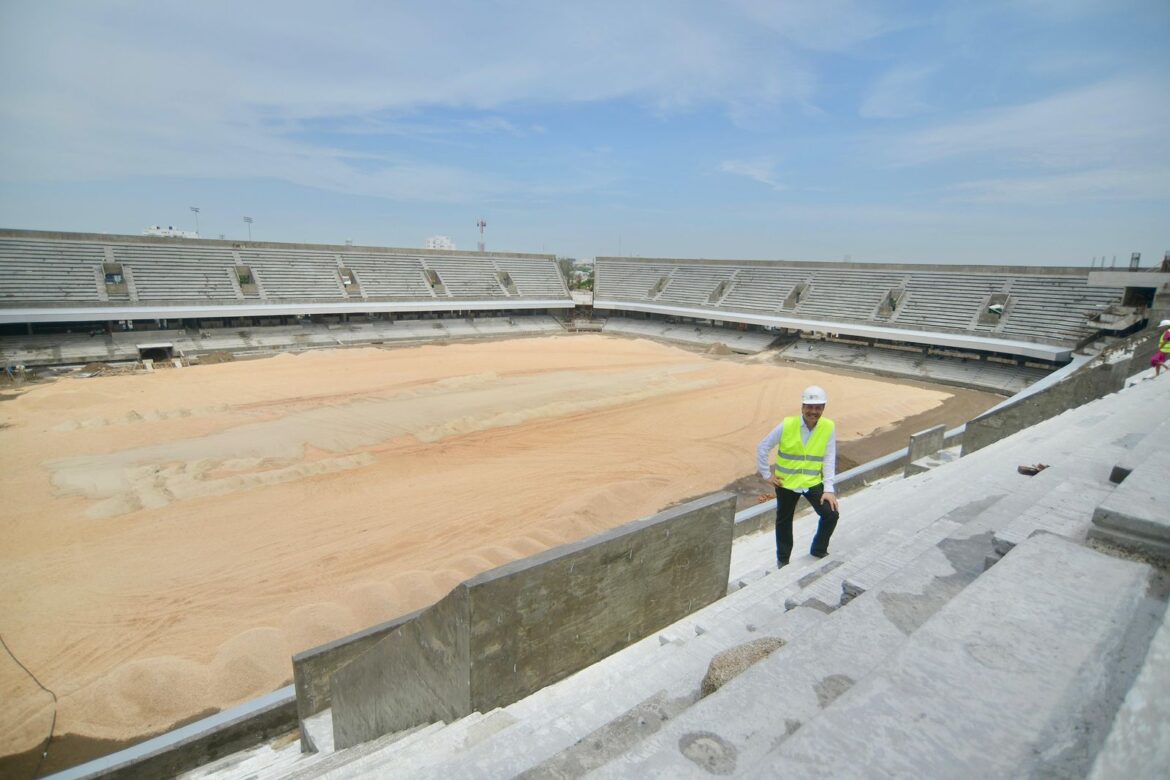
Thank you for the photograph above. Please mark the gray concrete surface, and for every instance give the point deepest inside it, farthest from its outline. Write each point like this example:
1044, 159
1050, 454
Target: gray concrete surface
926, 442
511, 631
419, 674
1092, 382
198, 743
1138, 745
695, 335
313, 669
1136, 515
1000, 682
976, 374
122, 346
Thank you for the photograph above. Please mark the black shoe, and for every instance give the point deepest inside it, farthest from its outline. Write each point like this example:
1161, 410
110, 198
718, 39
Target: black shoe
781, 564
819, 554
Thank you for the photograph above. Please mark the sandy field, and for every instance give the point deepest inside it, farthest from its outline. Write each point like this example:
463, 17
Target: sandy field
169, 540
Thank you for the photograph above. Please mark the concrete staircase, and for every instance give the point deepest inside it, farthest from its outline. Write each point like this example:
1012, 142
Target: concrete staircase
904, 654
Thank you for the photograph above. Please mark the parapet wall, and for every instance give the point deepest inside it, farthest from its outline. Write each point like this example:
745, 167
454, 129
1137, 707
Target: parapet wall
511, 631
1107, 373
1089, 383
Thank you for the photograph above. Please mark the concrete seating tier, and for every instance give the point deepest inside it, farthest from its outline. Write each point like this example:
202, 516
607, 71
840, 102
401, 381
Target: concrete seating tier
985, 375
628, 281
943, 300
708, 336
695, 286
1045, 306
534, 278
179, 273
36, 272
760, 289
1000, 682
467, 277
389, 276
295, 275
846, 294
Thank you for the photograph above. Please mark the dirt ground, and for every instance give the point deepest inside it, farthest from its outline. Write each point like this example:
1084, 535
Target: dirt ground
169, 540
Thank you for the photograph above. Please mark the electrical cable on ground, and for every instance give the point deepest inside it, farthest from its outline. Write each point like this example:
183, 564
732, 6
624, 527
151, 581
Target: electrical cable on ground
53, 724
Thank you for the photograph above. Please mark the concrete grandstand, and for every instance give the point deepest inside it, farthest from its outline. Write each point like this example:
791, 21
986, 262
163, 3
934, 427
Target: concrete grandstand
971, 621
1025, 313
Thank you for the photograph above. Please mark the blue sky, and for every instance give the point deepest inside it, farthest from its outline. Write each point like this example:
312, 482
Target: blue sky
1022, 132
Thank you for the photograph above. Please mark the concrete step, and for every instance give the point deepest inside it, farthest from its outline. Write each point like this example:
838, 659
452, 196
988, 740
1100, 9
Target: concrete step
614, 706
317, 732
339, 764
775, 697
269, 759
1002, 681
1134, 515
1065, 510
459, 736
906, 522
1138, 745
665, 668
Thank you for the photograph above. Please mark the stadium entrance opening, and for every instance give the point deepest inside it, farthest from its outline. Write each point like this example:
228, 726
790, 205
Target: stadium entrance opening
156, 352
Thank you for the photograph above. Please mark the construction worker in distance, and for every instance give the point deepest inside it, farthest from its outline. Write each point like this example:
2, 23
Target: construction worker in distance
806, 465
1162, 356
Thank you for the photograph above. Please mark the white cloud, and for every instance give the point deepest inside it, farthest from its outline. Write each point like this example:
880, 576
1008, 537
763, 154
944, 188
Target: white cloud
1120, 121
1102, 184
828, 25
897, 93
236, 90
761, 169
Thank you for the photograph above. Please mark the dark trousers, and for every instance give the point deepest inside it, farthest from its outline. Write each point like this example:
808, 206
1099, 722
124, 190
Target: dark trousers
786, 508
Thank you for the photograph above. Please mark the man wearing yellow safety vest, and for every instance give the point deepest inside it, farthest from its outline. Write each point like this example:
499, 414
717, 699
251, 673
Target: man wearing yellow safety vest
806, 465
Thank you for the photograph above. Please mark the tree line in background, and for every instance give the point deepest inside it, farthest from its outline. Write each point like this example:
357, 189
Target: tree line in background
578, 275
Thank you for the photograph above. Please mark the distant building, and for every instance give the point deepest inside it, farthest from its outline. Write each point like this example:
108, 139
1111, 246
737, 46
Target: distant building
440, 242
169, 232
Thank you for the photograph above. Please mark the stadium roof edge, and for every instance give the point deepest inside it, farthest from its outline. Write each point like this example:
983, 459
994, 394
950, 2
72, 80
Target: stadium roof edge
51, 235
1037, 270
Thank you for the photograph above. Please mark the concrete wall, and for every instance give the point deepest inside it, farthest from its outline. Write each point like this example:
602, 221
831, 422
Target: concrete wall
197, 743
313, 669
926, 442
509, 632
1094, 381
418, 674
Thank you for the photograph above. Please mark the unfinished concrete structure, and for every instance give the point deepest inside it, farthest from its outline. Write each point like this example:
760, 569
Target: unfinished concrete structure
961, 607
951, 615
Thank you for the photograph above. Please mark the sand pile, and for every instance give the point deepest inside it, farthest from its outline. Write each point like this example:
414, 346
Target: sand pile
171, 539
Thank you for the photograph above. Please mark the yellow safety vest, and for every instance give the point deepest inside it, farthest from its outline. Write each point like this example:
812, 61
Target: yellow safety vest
799, 465
1164, 342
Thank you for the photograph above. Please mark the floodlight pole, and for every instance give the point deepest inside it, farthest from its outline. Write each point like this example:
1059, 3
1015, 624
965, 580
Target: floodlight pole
196, 210
248, 222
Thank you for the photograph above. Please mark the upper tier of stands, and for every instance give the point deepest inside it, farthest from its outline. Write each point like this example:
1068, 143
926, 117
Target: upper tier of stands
1045, 305
35, 272
63, 270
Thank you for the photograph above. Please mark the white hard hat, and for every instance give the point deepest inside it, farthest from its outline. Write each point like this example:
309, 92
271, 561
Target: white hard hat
814, 394
1164, 324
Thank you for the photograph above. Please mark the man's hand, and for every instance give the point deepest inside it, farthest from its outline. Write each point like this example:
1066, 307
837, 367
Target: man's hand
830, 499
775, 481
